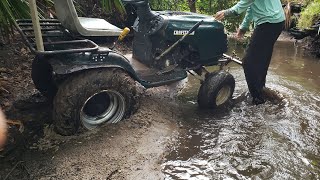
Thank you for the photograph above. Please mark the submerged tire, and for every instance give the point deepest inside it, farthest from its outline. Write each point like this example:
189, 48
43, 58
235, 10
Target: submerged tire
94, 97
216, 90
42, 78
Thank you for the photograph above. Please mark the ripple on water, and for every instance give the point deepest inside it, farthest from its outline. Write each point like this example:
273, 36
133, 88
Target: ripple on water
269, 141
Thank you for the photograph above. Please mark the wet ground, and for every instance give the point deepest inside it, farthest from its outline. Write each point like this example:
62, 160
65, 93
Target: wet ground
170, 138
132, 149
269, 141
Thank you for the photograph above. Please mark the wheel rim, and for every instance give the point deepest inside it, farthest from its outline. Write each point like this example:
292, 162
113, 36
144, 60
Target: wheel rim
223, 95
103, 107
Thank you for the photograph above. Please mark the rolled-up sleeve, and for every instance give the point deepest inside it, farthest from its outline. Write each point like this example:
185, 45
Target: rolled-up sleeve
247, 20
239, 8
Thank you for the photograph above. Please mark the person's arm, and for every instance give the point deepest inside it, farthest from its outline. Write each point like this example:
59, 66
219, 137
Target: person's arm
244, 27
3, 129
239, 8
247, 20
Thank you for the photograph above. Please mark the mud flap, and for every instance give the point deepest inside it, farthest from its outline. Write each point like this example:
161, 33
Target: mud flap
64, 65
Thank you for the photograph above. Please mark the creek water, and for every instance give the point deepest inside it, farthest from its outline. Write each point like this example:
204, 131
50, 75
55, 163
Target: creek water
269, 141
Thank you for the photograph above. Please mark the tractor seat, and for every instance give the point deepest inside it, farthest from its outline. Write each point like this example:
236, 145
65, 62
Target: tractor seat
67, 15
97, 24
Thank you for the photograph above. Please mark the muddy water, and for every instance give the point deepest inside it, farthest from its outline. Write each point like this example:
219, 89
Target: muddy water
255, 142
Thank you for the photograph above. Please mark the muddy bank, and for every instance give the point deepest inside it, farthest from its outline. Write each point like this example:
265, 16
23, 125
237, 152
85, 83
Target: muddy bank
310, 44
132, 149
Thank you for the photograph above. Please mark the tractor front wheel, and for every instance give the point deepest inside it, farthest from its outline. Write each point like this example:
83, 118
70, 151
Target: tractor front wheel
217, 90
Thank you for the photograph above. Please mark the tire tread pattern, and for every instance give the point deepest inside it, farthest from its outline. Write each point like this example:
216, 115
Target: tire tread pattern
73, 92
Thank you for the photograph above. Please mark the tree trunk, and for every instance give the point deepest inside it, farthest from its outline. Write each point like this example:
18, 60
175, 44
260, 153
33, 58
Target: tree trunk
192, 5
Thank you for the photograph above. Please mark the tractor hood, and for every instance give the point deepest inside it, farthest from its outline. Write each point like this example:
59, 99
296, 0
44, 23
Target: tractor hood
209, 39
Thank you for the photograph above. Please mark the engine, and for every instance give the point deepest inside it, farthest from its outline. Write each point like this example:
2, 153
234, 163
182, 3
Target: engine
155, 31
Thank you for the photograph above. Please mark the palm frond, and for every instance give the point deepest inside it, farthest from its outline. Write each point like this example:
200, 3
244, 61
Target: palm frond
10, 10
18, 9
111, 5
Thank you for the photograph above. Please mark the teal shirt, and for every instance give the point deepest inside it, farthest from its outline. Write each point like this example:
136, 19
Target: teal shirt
260, 11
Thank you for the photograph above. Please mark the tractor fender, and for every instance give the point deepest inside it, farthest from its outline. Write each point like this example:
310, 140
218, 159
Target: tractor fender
76, 62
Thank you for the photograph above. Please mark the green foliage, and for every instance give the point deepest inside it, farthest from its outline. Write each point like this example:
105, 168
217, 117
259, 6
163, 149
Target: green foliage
209, 7
17, 9
110, 5
173, 5
309, 15
10, 10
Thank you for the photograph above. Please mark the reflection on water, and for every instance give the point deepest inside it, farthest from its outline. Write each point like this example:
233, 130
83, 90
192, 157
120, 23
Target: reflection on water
255, 142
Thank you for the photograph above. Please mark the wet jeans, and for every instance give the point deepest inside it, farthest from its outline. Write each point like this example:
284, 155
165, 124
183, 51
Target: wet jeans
258, 56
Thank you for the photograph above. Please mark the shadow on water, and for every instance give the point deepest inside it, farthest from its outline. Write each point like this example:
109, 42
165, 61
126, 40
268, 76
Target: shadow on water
255, 142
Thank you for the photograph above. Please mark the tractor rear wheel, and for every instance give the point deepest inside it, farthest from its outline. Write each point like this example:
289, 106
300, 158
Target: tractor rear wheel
217, 90
92, 98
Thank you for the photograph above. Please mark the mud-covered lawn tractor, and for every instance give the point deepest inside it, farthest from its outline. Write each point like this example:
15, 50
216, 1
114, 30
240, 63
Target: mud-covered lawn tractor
91, 85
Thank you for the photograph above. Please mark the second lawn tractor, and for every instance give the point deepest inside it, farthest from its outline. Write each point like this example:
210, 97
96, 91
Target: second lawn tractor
91, 84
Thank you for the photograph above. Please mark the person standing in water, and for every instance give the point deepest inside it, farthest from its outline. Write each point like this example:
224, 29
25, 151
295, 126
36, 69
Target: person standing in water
268, 17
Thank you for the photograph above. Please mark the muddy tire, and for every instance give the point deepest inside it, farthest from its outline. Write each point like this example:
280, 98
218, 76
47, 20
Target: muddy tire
217, 90
42, 77
92, 98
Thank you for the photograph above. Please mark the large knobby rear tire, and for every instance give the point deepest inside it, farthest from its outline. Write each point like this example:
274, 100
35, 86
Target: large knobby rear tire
217, 90
92, 98
42, 77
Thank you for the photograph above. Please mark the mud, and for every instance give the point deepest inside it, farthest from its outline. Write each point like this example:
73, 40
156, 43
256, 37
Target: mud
132, 149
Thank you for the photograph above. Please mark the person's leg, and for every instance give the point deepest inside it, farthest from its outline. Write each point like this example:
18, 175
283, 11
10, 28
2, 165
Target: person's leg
276, 29
257, 58
267, 63
252, 62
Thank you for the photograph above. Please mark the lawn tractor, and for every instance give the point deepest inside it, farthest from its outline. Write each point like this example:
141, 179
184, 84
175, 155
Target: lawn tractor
91, 84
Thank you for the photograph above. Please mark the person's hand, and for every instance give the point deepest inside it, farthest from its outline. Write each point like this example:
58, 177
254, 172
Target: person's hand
240, 34
220, 15
3, 129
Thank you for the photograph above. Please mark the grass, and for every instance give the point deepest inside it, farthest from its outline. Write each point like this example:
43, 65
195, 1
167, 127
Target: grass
309, 15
